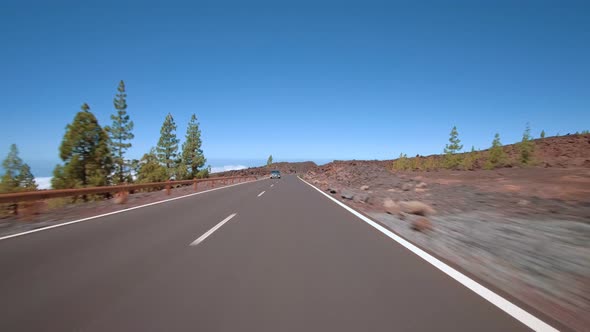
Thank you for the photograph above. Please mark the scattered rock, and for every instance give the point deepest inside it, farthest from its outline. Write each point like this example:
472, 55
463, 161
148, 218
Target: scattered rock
422, 225
421, 185
346, 194
121, 197
407, 187
362, 198
511, 187
417, 208
523, 202
365, 187
391, 207
332, 190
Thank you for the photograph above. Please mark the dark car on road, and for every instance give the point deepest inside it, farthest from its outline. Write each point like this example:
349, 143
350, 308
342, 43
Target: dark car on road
275, 174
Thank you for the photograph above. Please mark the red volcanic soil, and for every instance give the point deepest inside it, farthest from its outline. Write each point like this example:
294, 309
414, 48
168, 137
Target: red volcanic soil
524, 230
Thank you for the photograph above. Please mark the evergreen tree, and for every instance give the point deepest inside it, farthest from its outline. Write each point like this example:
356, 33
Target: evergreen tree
451, 150
85, 153
12, 166
150, 169
17, 175
204, 173
526, 146
181, 172
269, 161
192, 154
542, 133
167, 148
497, 157
120, 134
26, 179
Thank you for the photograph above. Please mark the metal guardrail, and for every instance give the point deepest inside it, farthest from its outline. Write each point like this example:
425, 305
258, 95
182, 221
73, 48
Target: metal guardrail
36, 195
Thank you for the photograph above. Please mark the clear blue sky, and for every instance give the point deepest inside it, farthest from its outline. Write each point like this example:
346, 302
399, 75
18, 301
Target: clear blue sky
299, 79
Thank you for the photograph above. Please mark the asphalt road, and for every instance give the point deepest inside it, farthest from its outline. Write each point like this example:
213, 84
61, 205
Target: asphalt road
289, 260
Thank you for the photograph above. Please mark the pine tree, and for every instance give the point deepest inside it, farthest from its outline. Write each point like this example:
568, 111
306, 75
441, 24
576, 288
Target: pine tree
526, 146
26, 179
451, 150
120, 134
150, 169
269, 161
497, 157
542, 133
167, 148
17, 174
85, 153
12, 167
192, 154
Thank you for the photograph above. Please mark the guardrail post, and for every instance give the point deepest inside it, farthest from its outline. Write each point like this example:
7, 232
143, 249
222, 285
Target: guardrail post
195, 184
168, 187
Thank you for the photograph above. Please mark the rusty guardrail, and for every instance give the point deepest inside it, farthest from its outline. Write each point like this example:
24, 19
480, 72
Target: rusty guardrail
36, 195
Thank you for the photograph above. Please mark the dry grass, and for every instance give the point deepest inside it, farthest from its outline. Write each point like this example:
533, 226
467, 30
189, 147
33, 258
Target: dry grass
57, 203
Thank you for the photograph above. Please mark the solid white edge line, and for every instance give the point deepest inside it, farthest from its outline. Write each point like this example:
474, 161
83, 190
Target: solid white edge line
262, 193
120, 211
500, 302
209, 232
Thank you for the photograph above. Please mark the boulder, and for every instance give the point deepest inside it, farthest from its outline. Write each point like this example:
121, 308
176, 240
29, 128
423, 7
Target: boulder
421, 185
365, 187
391, 207
407, 186
121, 197
422, 225
362, 198
523, 202
416, 207
346, 194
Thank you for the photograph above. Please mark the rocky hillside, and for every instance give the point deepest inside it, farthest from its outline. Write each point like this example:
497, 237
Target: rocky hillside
524, 230
559, 151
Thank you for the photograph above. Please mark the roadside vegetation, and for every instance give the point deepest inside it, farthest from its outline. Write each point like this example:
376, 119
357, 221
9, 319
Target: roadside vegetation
96, 155
520, 154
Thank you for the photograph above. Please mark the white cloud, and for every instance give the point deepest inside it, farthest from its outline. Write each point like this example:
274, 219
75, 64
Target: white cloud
227, 168
43, 182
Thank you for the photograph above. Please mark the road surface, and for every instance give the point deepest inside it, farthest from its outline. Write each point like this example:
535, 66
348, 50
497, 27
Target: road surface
289, 259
